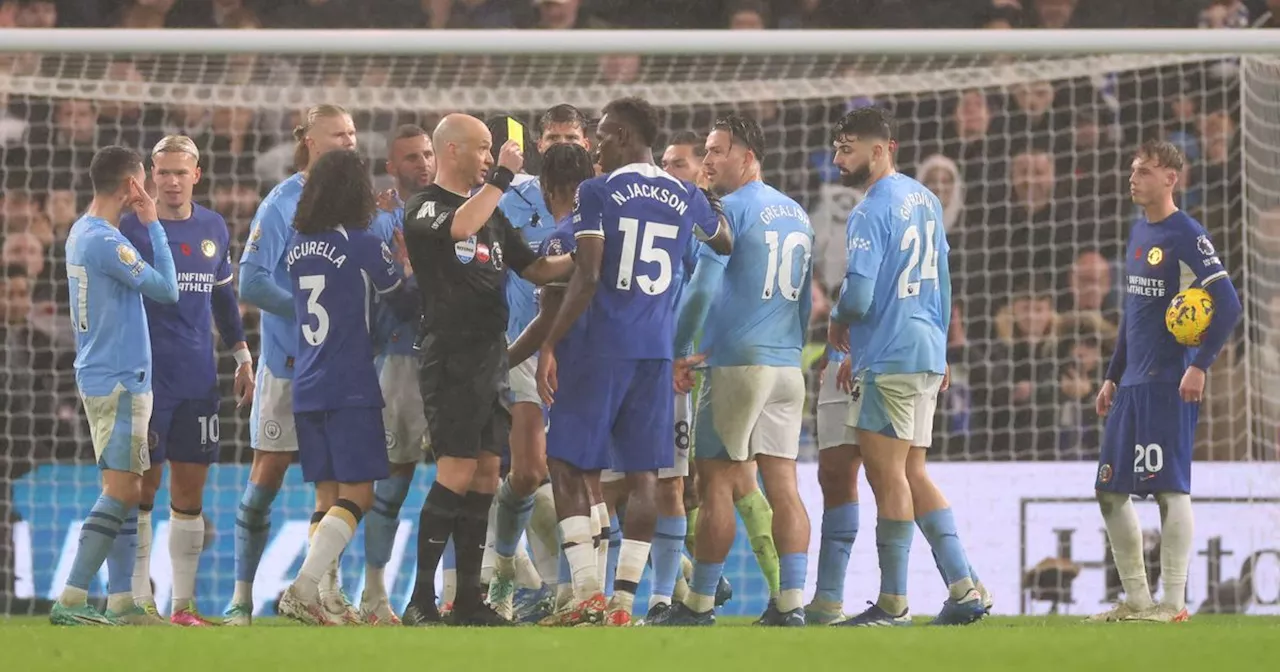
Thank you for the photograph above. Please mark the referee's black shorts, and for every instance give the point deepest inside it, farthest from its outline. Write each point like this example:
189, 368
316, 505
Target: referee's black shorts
465, 394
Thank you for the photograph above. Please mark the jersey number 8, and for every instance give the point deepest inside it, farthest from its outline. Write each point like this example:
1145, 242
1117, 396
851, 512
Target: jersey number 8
314, 284
780, 272
929, 271
630, 228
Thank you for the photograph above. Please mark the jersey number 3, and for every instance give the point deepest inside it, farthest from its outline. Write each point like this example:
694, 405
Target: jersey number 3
314, 284
929, 270
649, 253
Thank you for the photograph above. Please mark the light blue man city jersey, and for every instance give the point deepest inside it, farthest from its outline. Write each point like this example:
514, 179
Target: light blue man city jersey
527, 211
268, 237
392, 336
758, 316
896, 239
106, 280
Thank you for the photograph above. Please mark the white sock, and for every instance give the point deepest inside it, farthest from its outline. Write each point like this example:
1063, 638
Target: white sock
186, 542
119, 602
1177, 527
682, 590
631, 559
578, 549
450, 592
504, 567
791, 599
242, 593
490, 546
329, 581
564, 596
375, 587
1125, 533
331, 537
655, 600
142, 561
543, 543
527, 576
600, 521
73, 597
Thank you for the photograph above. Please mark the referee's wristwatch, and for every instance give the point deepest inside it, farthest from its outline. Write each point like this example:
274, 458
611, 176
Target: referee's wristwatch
501, 177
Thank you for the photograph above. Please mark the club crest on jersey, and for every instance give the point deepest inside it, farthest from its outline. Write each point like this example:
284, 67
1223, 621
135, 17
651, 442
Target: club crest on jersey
1155, 256
465, 250
208, 248
1104, 474
482, 253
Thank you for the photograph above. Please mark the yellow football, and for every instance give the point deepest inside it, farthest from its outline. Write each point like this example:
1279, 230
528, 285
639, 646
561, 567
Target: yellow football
1189, 315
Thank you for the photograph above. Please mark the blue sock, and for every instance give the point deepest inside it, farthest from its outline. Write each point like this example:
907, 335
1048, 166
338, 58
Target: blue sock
253, 528
666, 551
123, 556
615, 547
513, 516
97, 535
383, 520
939, 528
792, 568
893, 545
839, 529
706, 578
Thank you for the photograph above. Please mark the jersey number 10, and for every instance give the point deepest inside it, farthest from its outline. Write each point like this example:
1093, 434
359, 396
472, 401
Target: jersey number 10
649, 253
929, 271
780, 273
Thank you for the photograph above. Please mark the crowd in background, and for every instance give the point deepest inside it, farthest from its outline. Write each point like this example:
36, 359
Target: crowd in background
1032, 176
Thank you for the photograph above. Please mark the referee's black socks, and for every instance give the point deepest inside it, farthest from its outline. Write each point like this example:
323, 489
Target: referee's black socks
468, 544
435, 524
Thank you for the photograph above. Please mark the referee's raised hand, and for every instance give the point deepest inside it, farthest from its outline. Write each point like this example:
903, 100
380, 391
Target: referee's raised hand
511, 156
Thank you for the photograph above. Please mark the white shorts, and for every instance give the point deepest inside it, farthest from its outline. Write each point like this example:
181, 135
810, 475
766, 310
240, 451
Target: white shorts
684, 414
898, 405
747, 411
271, 427
118, 425
402, 416
524, 384
833, 409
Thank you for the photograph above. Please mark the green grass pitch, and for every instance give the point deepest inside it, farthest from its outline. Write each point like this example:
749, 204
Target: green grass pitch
1207, 643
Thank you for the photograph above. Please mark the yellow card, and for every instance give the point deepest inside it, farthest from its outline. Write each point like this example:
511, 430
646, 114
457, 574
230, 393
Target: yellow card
515, 131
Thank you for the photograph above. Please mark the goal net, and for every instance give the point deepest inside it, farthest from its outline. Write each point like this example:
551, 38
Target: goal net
1029, 156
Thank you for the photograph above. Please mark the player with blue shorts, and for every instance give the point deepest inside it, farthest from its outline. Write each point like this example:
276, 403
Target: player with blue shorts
336, 264
564, 167
106, 279
1153, 388
411, 160
894, 308
184, 421
753, 397
634, 226
264, 282
526, 485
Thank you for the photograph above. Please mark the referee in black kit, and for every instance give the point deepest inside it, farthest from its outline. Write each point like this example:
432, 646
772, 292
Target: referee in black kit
460, 248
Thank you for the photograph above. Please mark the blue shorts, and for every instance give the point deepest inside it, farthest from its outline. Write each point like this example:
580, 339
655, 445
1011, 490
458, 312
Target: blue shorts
1147, 442
347, 445
614, 414
184, 430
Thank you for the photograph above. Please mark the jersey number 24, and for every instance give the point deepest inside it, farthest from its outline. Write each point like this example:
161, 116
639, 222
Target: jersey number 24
929, 270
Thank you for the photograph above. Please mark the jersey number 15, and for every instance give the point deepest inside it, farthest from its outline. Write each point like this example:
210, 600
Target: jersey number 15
928, 271
649, 253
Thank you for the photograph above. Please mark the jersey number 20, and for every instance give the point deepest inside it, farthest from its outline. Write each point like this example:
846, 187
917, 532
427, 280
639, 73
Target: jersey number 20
314, 284
928, 271
649, 253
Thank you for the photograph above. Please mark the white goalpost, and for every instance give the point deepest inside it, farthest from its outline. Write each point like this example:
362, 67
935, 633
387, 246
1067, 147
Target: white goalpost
1025, 135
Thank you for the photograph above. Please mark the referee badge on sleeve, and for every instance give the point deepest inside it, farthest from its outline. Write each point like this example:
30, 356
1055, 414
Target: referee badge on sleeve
465, 250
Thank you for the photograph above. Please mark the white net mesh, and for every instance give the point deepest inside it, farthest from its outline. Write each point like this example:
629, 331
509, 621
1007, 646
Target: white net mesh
1029, 155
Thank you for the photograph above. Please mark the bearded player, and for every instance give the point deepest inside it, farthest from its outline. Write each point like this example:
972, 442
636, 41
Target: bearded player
1153, 388
411, 160
265, 283
184, 428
